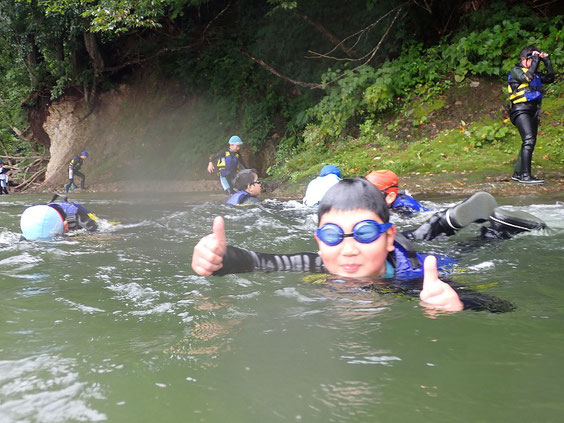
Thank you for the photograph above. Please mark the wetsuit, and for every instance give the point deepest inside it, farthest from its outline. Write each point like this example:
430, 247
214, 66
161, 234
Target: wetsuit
525, 88
74, 170
76, 215
3, 180
227, 162
401, 276
241, 198
406, 204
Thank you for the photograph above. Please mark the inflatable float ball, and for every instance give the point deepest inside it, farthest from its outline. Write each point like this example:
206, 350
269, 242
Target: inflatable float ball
41, 223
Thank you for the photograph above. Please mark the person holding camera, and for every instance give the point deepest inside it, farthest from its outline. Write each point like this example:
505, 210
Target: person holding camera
524, 85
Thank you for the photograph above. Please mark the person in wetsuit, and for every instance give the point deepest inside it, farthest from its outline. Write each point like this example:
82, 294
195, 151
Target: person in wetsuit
248, 188
524, 85
479, 207
46, 222
399, 201
353, 208
227, 162
74, 170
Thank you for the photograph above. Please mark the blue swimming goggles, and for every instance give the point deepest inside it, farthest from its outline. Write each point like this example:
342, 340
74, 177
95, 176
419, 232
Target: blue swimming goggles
365, 231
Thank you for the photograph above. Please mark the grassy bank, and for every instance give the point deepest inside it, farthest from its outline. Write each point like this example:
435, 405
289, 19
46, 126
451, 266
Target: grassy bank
464, 130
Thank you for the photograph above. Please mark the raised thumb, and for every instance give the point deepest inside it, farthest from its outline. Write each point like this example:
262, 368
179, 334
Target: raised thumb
431, 274
219, 229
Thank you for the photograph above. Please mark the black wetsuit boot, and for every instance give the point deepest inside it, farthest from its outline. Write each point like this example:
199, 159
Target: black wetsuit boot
476, 208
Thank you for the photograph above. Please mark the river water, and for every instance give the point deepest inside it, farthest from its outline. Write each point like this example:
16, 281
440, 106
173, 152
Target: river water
116, 327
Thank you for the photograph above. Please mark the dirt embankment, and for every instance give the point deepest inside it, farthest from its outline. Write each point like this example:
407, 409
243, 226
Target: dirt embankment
149, 136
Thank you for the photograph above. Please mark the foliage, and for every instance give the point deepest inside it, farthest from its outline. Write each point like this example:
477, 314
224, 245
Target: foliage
356, 104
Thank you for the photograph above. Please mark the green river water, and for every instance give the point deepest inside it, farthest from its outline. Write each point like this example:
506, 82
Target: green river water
116, 327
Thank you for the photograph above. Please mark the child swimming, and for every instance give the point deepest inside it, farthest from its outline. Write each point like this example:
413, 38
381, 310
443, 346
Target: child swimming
354, 209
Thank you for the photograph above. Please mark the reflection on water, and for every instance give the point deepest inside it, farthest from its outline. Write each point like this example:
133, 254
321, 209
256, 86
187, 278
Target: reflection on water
115, 326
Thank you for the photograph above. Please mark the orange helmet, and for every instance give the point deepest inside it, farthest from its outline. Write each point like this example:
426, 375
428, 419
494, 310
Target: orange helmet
385, 180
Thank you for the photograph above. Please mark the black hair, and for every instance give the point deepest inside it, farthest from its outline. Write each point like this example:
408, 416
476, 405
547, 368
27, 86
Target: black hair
354, 194
244, 178
527, 52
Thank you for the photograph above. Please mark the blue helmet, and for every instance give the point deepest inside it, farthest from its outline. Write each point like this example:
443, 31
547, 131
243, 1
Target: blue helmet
41, 223
84, 153
235, 140
328, 169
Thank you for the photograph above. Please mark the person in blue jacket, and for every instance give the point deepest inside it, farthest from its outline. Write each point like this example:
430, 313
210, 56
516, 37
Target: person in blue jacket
388, 184
524, 85
248, 188
46, 222
355, 240
227, 162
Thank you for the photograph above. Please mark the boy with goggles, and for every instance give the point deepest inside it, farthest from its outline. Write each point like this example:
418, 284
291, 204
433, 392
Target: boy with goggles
354, 209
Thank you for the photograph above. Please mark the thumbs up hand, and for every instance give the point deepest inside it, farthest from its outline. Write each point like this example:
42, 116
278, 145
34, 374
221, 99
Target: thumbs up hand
208, 253
437, 294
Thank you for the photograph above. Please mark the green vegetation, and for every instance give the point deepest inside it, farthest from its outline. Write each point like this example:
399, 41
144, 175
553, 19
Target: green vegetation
390, 86
351, 125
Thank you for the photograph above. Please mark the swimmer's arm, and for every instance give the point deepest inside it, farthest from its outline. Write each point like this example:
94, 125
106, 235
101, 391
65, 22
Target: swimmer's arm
239, 260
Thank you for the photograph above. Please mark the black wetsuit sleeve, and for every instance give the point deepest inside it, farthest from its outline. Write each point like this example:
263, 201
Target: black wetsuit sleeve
548, 76
476, 301
472, 300
84, 221
239, 260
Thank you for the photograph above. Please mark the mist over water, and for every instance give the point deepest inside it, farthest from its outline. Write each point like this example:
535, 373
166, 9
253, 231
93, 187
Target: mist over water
115, 326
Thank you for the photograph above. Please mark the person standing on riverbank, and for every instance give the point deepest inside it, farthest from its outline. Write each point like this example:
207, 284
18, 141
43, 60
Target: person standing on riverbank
524, 85
74, 170
227, 161
3, 179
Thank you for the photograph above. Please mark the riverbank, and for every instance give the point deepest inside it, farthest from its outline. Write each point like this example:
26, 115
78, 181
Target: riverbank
432, 185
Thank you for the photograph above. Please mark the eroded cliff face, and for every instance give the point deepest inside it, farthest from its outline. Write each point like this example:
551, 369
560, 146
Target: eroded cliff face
139, 133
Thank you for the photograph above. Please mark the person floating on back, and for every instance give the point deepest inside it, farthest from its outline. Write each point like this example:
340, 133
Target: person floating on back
74, 170
248, 188
524, 85
316, 189
46, 222
227, 162
478, 208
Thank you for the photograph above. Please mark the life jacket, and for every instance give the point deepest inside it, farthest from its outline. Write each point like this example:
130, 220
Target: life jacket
527, 91
237, 198
407, 201
227, 165
76, 163
71, 213
408, 263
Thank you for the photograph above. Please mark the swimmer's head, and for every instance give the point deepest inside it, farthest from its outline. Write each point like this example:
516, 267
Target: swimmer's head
330, 169
41, 223
354, 194
245, 178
